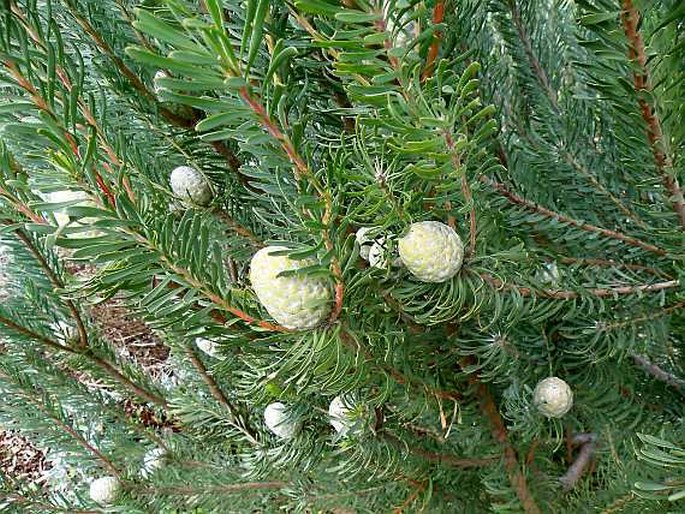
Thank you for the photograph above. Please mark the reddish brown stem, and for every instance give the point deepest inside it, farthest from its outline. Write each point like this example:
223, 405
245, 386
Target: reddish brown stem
301, 168
35, 336
466, 191
219, 395
552, 96
56, 283
382, 26
239, 229
104, 365
534, 61
66, 82
569, 445
105, 47
600, 187
613, 263
434, 49
605, 327
40, 103
441, 458
659, 373
351, 342
630, 17
138, 85
20, 207
33, 399
83, 442
216, 314
451, 460
217, 300
266, 325
37, 100
302, 171
600, 292
129, 190
499, 432
32, 503
419, 487
534, 207
468, 196
105, 190
83, 344
119, 377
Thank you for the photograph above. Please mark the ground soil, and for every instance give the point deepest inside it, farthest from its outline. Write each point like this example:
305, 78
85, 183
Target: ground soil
130, 335
21, 461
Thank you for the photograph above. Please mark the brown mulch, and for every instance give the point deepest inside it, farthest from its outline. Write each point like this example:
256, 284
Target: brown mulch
120, 327
135, 341
20, 460
130, 335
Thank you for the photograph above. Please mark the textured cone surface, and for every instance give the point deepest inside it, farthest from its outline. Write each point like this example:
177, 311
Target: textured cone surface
365, 237
297, 302
553, 397
209, 347
277, 420
431, 251
338, 412
152, 461
189, 184
104, 490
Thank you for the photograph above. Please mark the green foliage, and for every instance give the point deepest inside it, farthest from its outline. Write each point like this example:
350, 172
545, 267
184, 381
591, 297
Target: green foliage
528, 126
667, 456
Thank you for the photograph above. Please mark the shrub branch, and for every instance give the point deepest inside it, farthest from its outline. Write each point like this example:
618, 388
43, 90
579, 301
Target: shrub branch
548, 213
219, 395
588, 443
499, 432
630, 17
302, 171
138, 85
658, 373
